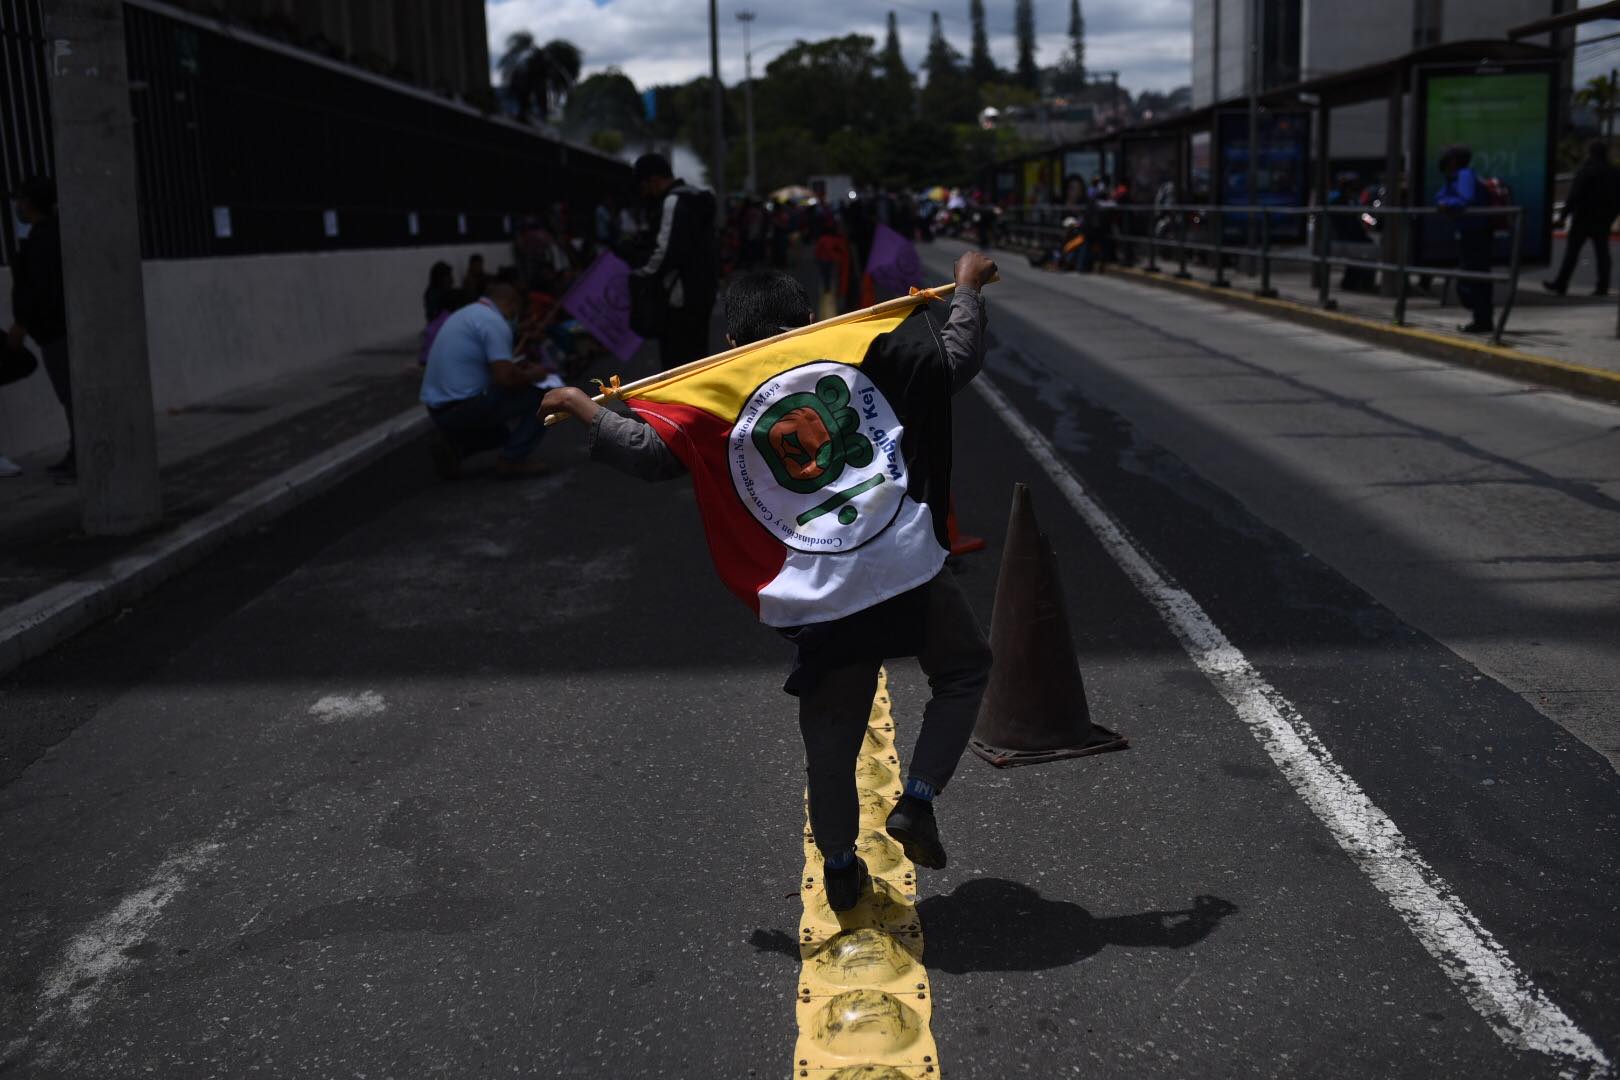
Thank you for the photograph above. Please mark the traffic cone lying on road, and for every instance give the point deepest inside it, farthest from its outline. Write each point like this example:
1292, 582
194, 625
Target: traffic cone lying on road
1034, 709
960, 544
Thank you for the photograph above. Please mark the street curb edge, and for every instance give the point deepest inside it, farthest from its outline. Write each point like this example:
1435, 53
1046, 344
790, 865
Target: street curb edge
35, 625
1527, 367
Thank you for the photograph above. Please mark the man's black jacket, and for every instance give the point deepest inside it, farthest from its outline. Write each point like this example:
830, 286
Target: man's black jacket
683, 251
36, 284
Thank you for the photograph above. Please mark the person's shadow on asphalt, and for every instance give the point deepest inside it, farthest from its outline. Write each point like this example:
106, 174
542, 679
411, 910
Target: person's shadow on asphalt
991, 924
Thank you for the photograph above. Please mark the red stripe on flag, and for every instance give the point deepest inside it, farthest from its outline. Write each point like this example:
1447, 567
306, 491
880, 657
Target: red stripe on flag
746, 556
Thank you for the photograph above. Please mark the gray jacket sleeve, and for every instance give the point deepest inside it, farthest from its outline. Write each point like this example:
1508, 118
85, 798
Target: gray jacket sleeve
962, 338
630, 445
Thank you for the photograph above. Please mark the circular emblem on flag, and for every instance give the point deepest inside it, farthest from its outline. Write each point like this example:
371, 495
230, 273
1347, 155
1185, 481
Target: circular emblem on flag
815, 457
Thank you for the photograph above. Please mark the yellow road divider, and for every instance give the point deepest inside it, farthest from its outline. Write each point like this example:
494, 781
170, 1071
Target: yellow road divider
864, 1004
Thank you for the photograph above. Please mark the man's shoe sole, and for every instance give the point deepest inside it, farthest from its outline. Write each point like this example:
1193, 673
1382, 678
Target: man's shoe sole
914, 849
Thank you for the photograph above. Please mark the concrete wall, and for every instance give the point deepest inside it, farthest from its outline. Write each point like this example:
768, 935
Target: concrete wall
1339, 36
1204, 83
218, 325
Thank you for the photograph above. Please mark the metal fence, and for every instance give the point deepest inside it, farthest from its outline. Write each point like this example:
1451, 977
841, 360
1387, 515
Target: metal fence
246, 146
1171, 236
25, 129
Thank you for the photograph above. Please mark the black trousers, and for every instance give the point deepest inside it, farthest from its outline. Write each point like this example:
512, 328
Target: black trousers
1579, 233
504, 418
833, 715
53, 356
685, 337
1474, 253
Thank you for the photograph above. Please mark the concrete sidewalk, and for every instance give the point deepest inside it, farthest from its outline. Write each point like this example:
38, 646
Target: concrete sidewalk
227, 465
1577, 328
1568, 342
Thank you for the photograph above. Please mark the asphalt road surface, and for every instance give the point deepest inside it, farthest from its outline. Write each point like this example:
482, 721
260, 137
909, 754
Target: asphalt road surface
495, 779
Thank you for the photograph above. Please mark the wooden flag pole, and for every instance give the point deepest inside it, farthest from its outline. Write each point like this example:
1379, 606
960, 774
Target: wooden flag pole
899, 303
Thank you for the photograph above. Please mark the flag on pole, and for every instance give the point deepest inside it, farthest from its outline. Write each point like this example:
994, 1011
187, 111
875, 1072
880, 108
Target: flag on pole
819, 464
600, 300
892, 264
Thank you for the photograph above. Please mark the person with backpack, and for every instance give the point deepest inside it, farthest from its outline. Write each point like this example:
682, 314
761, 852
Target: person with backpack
673, 289
1590, 208
1462, 192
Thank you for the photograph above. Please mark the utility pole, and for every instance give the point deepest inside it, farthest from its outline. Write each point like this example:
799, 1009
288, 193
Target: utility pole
717, 167
115, 441
747, 18
1252, 180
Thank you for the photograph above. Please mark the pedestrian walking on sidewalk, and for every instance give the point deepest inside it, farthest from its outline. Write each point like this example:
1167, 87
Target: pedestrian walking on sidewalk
1590, 208
1461, 193
38, 304
479, 396
826, 466
673, 288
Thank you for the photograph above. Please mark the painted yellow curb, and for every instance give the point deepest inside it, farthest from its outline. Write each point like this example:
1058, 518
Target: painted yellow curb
863, 1003
1546, 370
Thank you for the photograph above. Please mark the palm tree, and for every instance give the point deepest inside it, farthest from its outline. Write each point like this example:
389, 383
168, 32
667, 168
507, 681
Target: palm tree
1602, 96
538, 76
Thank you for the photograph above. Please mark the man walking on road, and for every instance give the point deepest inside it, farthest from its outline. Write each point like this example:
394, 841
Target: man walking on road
479, 397
1461, 193
680, 275
1591, 207
38, 305
875, 607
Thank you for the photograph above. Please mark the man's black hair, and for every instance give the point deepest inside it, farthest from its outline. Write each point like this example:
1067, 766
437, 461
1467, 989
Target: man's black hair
39, 190
650, 166
762, 303
1458, 153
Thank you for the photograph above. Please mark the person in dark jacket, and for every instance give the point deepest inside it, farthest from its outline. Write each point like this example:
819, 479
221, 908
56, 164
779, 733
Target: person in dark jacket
681, 258
1461, 193
440, 295
1590, 208
836, 667
38, 307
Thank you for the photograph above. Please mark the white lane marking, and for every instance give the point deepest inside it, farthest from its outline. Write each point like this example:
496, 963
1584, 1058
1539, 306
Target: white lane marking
334, 707
98, 951
1508, 1000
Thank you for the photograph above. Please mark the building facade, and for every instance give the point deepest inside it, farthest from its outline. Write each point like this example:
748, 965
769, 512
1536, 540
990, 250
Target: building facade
1307, 39
439, 45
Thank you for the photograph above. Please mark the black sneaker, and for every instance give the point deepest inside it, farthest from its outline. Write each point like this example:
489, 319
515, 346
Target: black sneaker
846, 886
68, 466
912, 823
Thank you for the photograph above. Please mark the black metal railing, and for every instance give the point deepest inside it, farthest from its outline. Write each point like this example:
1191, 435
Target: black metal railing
1174, 233
25, 128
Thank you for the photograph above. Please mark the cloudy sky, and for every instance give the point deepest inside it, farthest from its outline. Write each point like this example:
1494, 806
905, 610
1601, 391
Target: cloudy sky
659, 41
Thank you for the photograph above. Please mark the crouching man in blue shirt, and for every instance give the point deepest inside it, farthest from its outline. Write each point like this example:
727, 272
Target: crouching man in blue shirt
479, 397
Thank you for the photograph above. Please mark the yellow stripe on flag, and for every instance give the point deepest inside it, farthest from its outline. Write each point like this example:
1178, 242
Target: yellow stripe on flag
723, 388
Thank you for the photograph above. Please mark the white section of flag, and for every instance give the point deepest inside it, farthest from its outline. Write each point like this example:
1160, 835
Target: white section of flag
821, 588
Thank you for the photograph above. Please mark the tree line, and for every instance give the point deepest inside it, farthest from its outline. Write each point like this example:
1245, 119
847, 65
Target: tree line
842, 105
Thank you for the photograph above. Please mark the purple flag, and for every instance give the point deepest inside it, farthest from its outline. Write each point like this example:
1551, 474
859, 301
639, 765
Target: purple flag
893, 264
600, 300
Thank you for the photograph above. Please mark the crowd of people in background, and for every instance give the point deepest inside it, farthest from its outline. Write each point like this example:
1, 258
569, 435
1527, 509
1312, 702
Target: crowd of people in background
492, 341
